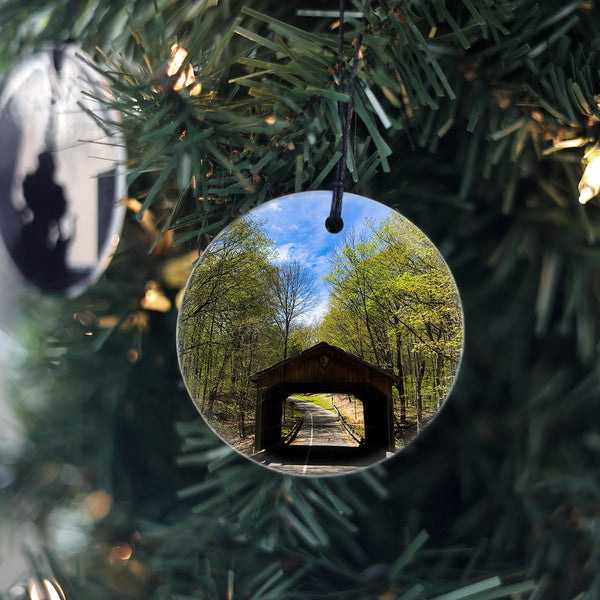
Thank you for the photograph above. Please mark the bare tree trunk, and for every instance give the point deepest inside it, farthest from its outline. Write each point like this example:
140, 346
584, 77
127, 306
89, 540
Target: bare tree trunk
286, 337
420, 372
439, 369
370, 331
241, 423
236, 391
208, 365
210, 404
400, 372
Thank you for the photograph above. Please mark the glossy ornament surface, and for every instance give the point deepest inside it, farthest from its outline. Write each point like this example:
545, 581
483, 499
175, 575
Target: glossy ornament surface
62, 170
315, 353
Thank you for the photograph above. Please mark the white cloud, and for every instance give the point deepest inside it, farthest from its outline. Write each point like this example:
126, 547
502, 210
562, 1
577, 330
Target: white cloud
294, 251
273, 206
315, 316
284, 252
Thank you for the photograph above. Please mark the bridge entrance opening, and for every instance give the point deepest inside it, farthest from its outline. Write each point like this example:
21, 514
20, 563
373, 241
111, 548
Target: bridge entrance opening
334, 419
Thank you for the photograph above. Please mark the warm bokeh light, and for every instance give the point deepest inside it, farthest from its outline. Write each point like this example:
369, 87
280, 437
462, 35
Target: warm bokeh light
107, 322
98, 504
154, 299
53, 590
148, 223
589, 186
186, 76
179, 297
178, 55
34, 592
120, 552
133, 355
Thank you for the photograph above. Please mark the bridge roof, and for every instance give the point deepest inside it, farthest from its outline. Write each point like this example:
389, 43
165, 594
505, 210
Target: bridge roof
323, 348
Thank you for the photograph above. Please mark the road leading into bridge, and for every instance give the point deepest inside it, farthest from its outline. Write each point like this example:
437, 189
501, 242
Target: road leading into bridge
321, 447
320, 427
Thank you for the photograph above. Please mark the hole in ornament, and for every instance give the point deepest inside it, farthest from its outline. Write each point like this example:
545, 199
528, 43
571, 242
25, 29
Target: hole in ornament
315, 354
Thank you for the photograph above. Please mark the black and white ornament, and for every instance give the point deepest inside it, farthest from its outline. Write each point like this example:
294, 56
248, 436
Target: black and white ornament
62, 171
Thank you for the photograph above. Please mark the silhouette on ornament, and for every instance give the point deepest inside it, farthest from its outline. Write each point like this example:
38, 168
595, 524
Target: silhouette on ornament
41, 250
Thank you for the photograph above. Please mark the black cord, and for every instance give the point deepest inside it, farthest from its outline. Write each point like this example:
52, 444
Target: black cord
334, 222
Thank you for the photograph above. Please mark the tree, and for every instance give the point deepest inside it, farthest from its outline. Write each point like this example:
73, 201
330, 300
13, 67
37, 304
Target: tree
301, 338
390, 288
222, 319
293, 289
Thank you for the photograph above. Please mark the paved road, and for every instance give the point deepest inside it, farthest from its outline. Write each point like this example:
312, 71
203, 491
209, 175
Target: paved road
321, 447
320, 427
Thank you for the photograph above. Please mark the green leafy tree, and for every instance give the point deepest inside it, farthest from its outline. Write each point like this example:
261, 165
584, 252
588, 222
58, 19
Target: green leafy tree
394, 302
222, 319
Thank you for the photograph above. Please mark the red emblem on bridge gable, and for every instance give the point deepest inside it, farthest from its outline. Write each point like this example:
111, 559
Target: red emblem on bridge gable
324, 360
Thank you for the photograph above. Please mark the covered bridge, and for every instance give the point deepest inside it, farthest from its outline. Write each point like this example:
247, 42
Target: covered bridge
325, 369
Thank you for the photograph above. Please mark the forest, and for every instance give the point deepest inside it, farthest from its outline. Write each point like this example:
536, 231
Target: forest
391, 301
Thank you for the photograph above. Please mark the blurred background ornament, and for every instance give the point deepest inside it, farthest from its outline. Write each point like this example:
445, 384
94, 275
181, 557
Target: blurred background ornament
61, 170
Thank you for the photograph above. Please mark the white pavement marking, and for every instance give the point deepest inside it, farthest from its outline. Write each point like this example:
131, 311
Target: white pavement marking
309, 443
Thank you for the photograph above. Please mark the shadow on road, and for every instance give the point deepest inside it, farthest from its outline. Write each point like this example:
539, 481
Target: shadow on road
318, 460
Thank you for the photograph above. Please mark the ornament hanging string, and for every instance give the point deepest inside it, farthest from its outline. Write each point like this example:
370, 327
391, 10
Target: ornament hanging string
334, 222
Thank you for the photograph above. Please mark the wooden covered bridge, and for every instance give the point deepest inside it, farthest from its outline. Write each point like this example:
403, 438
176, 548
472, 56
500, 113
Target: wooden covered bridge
326, 369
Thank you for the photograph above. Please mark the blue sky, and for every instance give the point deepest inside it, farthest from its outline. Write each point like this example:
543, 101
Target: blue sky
296, 223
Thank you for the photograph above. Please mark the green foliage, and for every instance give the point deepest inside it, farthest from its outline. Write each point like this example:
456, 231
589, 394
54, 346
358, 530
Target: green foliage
27, 26
68, 339
235, 144
394, 304
322, 400
223, 326
274, 102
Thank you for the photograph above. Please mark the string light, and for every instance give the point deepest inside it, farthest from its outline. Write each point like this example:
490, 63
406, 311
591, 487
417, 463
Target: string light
186, 76
589, 186
154, 299
51, 591
98, 504
120, 552
34, 592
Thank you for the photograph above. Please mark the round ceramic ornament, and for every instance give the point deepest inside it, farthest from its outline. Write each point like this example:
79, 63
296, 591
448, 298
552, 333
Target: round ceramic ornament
61, 170
314, 353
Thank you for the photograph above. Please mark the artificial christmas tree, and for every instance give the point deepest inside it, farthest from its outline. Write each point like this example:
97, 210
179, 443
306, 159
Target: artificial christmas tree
470, 117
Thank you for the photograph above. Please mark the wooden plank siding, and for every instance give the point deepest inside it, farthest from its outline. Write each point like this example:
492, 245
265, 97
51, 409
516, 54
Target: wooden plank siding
325, 368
